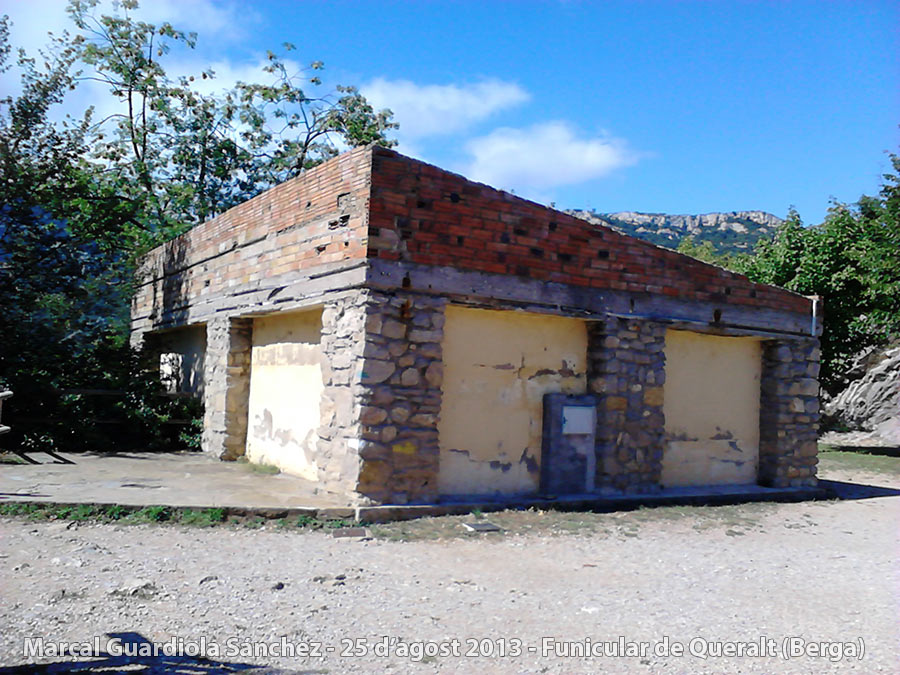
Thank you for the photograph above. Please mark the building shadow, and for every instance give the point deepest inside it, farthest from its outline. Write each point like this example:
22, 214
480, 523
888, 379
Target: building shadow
848, 491
55, 457
133, 645
882, 451
7, 495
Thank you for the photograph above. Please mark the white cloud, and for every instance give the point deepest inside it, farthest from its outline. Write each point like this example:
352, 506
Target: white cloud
33, 19
544, 156
207, 18
437, 109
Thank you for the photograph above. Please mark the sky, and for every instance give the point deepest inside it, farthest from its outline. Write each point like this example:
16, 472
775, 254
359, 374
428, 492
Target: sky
672, 107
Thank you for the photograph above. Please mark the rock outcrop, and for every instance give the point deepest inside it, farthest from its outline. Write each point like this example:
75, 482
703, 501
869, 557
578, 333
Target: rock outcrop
871, 403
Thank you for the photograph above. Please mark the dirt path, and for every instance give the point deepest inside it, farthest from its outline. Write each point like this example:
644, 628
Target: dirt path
821, 572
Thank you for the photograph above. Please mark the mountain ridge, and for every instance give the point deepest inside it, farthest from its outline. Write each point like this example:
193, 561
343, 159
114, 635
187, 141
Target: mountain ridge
728, 231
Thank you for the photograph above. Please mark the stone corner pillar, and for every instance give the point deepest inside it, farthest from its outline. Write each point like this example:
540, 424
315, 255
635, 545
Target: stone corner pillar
226, 379
392, 400
338, 445
789, 413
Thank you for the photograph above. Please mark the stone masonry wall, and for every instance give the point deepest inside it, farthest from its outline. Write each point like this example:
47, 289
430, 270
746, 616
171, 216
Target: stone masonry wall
401, 398
789, 413
226, 376
626, 370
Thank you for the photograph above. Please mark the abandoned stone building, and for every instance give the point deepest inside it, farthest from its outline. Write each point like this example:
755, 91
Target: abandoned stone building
399, 334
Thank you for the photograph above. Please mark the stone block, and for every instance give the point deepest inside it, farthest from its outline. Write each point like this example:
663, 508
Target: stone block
400, 413
434, 374
376, 371
373, 323
375, 473
393, 329
371, 450
616, 403
423, 420
371, 415
410, 377
653, 396
425, 336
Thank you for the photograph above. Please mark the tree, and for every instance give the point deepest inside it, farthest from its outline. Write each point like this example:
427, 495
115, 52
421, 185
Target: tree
81, 199
186, 156
850, 260
63, 289
706, 251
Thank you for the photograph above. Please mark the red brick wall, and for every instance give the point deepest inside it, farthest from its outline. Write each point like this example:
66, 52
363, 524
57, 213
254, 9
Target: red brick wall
302, 218
423, 214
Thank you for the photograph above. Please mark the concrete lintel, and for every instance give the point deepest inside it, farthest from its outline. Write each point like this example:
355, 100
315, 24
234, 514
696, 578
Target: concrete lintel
518, 292
284, 293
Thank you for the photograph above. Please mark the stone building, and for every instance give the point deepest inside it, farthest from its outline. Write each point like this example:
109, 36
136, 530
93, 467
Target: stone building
400, 334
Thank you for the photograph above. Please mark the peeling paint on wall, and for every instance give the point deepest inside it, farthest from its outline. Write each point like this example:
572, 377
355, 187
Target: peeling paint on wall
711, 405
497, 367
286, 392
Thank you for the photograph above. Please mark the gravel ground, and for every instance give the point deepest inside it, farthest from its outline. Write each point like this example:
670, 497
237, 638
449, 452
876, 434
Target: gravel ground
704, 578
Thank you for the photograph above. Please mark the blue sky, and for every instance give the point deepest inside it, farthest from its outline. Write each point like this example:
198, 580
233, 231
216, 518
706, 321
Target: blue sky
678, 107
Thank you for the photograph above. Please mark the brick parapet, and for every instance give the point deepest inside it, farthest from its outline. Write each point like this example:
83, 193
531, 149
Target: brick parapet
317, 220
372, 205
422, 214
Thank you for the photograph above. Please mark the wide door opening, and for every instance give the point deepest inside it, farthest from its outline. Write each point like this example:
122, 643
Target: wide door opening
286, 388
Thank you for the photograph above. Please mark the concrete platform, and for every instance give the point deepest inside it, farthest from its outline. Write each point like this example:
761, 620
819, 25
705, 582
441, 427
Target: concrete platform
178, 479
194, 480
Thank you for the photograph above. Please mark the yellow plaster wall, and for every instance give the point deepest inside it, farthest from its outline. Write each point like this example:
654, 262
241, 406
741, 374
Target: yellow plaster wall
711, 404
285, 392
497, 367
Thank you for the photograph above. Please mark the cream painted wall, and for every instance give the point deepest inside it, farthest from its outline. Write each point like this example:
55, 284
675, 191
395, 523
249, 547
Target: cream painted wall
712, 409
497, 367
285, 392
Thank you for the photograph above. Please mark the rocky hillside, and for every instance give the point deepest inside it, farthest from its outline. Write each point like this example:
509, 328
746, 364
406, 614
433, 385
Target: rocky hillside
735, 232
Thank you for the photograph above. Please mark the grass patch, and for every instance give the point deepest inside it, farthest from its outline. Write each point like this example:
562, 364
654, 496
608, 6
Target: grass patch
202, 517
152, 514
860, 460
265, 469
163, 515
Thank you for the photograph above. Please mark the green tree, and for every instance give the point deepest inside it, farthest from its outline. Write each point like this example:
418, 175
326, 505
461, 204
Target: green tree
82, 198
851, 260
186, 156
64, 290
707, 252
